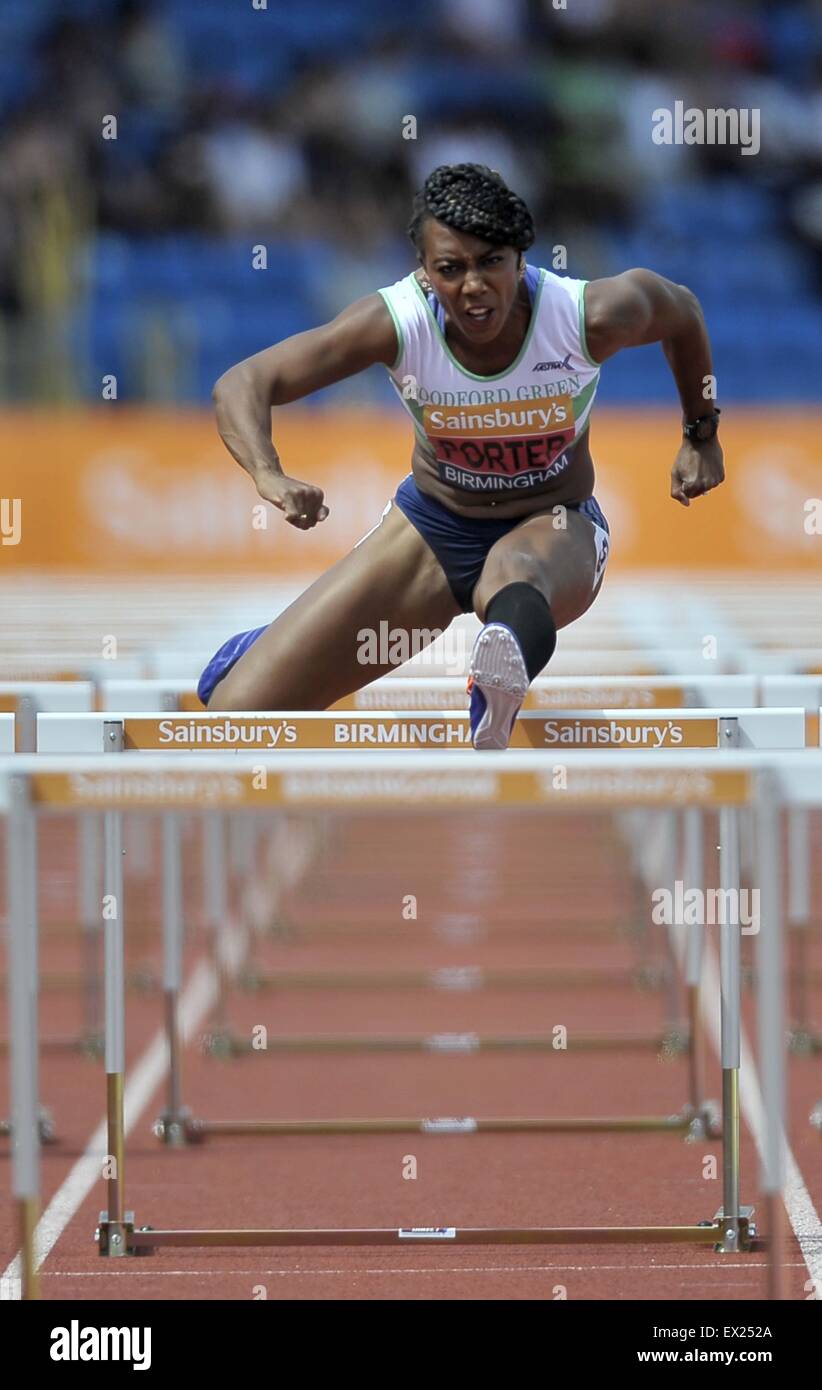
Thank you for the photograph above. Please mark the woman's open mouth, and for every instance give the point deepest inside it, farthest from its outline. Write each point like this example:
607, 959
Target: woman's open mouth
479, 315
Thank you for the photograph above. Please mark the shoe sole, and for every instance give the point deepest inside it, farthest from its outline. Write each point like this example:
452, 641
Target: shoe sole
498, 669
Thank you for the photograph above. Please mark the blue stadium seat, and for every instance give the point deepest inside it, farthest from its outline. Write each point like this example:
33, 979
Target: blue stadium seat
728, 204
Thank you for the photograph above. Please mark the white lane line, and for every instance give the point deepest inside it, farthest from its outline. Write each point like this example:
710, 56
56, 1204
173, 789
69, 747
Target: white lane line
144, 1078
802, 1213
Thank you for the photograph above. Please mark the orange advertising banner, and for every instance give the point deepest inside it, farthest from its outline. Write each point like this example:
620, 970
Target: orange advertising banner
406, 731
324, 786
121, 490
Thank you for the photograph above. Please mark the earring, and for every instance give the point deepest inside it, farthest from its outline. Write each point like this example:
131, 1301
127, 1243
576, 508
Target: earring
425, 285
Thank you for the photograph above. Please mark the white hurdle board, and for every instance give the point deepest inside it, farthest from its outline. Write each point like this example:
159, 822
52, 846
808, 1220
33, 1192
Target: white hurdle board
26, 699
426, 692
398, 730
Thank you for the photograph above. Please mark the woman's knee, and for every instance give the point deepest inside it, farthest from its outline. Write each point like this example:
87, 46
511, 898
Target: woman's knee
514, 566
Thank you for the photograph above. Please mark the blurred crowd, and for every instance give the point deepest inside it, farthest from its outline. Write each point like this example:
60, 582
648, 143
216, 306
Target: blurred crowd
249, 118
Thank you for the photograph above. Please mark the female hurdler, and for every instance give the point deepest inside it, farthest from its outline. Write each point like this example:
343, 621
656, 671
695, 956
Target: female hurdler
497, 362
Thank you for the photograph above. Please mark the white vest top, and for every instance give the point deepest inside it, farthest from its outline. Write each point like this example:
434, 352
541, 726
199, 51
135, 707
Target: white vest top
506, 433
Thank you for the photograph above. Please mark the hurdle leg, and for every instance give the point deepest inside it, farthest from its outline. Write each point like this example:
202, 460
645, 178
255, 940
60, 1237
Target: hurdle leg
21, 856
216, 906
668, 858
635, 824
174, 1124
115, 1222
693, 827
731, 984
243, 845
771, 1021
89, 829
112, 1230
799, 910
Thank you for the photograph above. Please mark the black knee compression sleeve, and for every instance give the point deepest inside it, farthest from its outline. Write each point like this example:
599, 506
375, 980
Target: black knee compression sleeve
523, 608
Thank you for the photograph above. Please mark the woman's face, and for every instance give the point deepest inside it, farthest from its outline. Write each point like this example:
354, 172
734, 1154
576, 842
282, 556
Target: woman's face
475, 282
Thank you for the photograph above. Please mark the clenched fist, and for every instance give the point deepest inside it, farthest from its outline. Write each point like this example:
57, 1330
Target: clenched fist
302, 504
697, 469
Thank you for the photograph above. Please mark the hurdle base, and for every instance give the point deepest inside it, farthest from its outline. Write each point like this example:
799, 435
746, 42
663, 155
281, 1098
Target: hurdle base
649, 977
45, 1126
92, 1045
675, 1042
253, 981
178, 1130
46, 1130
87, 1045
225, 1046
114, 1237
680, 1123
704, 1233
804, 1042
738, 1237
706, 1122
143, 980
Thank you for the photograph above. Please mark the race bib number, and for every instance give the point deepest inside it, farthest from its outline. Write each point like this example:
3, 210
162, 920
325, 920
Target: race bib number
502, 447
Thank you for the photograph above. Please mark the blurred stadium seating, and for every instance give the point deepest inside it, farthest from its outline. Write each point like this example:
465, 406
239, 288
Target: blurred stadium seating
282, 128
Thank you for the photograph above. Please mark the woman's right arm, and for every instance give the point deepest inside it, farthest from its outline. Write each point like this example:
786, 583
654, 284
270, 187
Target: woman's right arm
360, 336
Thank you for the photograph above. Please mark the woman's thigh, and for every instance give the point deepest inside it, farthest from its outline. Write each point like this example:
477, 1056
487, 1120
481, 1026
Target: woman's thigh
319, 649
559, 560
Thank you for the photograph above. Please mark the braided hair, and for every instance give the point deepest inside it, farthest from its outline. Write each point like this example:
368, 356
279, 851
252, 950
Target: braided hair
472, 198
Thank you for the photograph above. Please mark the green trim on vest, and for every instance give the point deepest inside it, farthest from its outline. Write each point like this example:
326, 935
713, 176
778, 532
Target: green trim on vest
583, 400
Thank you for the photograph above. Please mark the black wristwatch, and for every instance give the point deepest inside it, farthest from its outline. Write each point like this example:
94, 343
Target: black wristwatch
705, 427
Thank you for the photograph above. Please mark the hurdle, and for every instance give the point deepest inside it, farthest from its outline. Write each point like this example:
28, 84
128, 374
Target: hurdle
805, 690
595, 780
7, 732
28, 698
28, 969
346, 732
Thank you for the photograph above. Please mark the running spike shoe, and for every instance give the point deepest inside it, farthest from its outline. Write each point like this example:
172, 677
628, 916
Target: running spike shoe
497, 684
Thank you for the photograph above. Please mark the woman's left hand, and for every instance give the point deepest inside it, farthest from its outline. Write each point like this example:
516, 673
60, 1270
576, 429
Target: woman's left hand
697, 468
